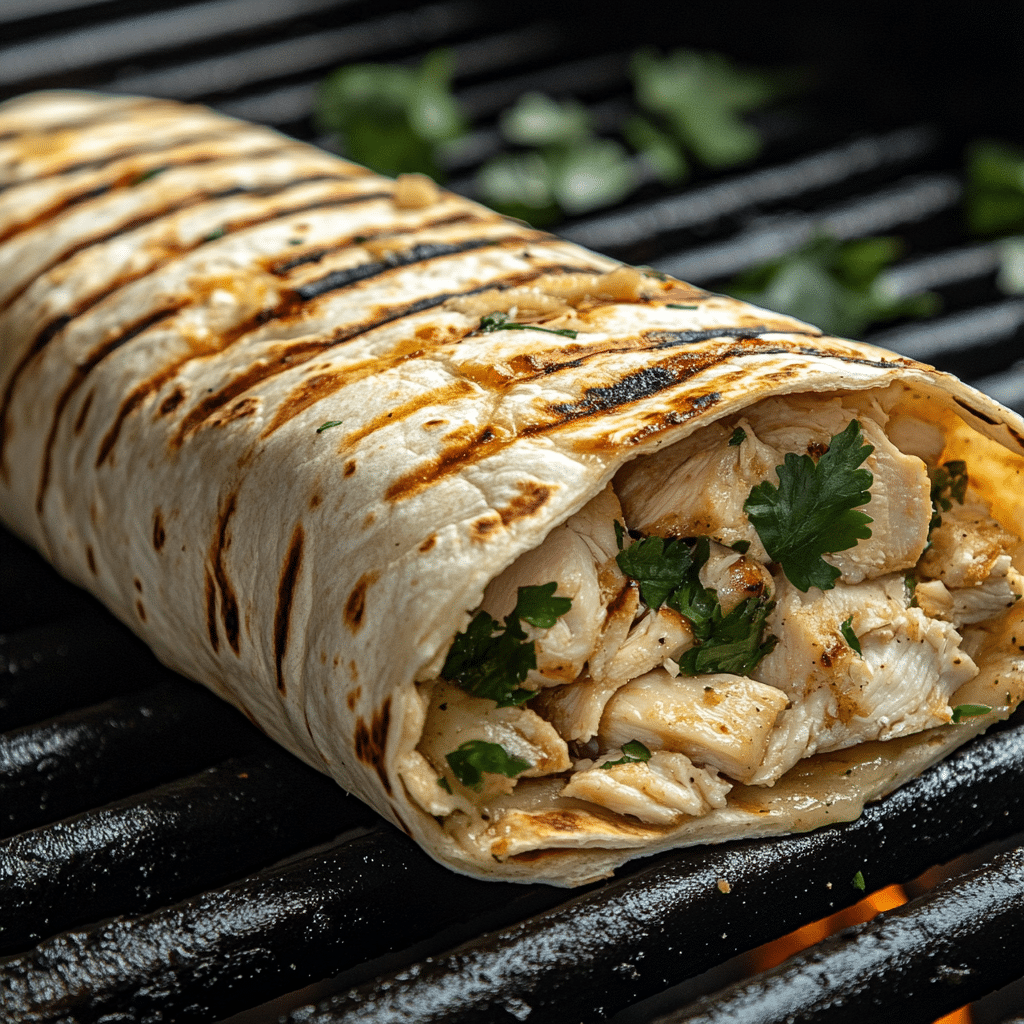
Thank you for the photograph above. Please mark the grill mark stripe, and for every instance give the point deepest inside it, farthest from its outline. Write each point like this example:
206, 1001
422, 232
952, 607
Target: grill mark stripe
197, 199
81, 372
221, 542
67, 202
55, 326
106, 113
303, 351
343, 242
285, 593
112, 156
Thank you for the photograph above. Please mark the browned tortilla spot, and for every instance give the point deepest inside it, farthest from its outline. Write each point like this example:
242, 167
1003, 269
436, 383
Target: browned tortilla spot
483, 527
308, 393
350, 467
81, 372
428, 543
352, 697
285, 593
355, 606
211, 610
218, 548
83, 412
138, 584
90, 558
532, 497
159, 533
371, 743
316, 499
172, 401
462, 450
141, 610
353, 669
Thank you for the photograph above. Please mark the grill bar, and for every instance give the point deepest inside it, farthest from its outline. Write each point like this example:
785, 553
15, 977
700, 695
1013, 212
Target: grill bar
107, 751
638, 935
189, 835
956, 943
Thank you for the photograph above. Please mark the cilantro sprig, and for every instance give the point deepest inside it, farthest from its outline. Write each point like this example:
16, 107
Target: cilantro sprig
812, 511
962, 711
491, 661
850, 637
500, 322
632, 752
474, 757
668, 573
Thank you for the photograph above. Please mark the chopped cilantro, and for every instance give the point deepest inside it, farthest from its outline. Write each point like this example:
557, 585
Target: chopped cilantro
659, 566
444, 784
858, 881
742, 546
147, 175
392, 117
849, 636
214, 234
812, 511
834, 285
500, 322
490, 661
667, 572
632, 752
910, 585
676, 305
474, 757
949, 484
739, 435
620, 533
962, 711
328, 425
995, 188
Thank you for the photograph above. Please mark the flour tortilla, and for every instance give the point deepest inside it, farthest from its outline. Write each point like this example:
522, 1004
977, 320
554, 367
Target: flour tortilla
186, 299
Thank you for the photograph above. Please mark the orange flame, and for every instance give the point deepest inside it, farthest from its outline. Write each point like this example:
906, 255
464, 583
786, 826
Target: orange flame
773, 953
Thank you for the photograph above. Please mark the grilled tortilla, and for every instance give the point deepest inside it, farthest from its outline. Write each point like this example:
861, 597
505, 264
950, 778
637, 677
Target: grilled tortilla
295, 424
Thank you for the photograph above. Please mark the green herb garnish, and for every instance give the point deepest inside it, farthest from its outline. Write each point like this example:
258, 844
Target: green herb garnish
668, 573
949, 484
742, 546
620, 533
910, 585
834, 285
676, 305
214, 234
328, 425
739, 435
474, 757
811, 512
632, 752
962, 711
849, 636
445, 784
391, 117
488, 660
500, 322
858, 881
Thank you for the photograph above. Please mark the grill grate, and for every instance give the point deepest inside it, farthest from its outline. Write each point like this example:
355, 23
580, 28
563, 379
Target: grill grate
160, 860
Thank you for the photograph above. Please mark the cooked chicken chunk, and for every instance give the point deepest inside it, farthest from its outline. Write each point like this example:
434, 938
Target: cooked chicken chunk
699, 486
663, 790
579, 555
900, 683
454, 717
719, 720
735, 578
967, 548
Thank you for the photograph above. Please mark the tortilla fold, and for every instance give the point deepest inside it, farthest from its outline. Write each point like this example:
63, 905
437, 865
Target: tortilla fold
247, 401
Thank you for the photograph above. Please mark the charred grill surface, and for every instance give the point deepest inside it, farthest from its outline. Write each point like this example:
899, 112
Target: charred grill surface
162, 857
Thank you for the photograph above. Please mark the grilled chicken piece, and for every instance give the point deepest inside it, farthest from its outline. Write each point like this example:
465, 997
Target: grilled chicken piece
700, 485
720, 720
901, 683
580, 556
735, 578
663, 790
454, 717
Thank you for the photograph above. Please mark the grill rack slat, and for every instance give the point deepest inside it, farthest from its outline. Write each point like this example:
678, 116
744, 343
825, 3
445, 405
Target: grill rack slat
282, 96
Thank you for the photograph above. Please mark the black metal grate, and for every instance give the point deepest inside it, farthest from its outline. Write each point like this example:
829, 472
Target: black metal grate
160, 860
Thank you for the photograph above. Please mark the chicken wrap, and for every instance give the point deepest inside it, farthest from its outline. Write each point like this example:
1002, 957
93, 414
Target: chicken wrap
553, 561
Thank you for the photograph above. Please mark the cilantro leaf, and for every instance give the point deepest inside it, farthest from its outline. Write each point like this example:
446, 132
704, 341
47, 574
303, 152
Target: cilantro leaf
734, 641
328, 425
391, 117
500, 322
858, 881
474, 757
849, 636
490, 661
962, 711
539, 607
659, 566
632, 752
620, 533
835, 285
811, 512
739, 435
